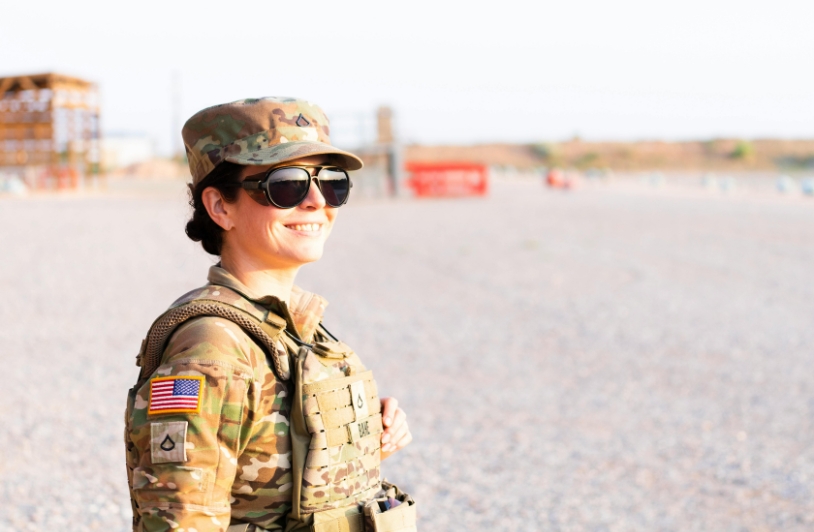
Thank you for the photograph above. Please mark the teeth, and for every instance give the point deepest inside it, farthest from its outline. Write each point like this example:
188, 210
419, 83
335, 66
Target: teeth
311, 228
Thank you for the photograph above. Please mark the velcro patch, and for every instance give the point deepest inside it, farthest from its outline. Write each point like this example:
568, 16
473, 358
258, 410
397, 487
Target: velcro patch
177, 394
168, 442
364, 428
359, 397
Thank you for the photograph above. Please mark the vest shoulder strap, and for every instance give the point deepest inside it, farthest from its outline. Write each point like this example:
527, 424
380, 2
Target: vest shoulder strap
263, 326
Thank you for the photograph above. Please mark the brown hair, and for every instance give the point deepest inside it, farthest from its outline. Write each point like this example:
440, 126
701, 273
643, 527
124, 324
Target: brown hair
201, 228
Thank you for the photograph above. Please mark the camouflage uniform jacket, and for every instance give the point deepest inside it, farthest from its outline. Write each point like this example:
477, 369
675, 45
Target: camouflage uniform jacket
231, 458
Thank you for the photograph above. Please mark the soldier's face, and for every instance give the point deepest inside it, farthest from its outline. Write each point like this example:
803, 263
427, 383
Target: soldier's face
280, 238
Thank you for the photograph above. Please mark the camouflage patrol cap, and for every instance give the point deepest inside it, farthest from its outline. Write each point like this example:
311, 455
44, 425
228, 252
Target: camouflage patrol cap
259, 131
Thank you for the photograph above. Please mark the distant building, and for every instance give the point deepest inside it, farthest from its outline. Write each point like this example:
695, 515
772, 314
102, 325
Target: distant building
49, 129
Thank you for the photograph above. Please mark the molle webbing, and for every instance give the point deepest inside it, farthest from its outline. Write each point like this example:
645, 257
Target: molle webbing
265, 331
343, 418
349, 523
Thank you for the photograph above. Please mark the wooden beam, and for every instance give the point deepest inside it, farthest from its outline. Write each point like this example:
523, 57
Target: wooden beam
46, 81
26, 83
5, 84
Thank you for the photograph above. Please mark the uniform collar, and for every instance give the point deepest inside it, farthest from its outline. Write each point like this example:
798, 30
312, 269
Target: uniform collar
303, 313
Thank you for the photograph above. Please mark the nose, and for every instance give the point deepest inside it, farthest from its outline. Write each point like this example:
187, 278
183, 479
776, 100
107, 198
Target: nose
314, 200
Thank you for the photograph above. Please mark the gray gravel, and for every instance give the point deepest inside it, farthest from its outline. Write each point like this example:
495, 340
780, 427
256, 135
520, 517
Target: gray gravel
608, 359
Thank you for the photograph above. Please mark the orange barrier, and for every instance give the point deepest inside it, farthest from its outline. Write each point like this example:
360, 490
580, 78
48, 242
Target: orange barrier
447, 179
557, 179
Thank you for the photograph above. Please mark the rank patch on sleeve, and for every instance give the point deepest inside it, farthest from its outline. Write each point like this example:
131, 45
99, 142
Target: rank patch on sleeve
173, 395
168, 442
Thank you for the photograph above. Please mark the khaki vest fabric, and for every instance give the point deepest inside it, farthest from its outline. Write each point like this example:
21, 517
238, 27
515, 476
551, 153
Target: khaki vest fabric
248, 412
340, 405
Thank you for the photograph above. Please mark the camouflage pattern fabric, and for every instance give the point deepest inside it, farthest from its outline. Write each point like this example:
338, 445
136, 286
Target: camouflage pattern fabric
343, 418
232, 459
259, 131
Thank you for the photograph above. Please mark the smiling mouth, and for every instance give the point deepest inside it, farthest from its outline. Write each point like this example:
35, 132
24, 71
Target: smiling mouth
305, 228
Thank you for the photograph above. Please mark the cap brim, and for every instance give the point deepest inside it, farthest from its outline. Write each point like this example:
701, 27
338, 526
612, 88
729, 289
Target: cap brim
289, 151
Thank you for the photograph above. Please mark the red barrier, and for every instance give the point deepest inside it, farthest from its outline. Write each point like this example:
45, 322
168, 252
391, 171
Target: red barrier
448, 179
557, 179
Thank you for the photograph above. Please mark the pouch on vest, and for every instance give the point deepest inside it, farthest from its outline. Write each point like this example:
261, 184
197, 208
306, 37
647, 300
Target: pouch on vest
395, 512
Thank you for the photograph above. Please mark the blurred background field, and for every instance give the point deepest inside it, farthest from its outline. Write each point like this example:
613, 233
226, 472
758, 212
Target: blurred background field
580, 252
607, 358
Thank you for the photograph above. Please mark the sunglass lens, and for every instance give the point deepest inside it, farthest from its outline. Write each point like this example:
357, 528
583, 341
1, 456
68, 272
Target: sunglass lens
335, 186
287, 187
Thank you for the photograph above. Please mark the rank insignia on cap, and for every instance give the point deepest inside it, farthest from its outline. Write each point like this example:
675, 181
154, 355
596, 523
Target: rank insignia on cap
174, 395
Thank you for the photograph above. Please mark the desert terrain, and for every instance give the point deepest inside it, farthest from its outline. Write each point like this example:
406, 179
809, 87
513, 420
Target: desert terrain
619, 357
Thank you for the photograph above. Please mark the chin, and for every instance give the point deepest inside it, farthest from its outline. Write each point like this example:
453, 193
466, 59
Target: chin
307, 256
309, 259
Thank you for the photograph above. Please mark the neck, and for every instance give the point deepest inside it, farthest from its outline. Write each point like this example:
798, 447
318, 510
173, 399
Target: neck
259, 279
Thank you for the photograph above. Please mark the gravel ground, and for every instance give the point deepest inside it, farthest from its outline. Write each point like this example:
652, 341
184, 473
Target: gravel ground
607, 359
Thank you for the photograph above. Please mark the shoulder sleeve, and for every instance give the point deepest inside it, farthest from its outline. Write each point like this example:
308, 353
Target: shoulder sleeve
188, 424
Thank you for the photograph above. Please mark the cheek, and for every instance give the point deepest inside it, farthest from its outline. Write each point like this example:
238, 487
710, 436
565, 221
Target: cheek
257, 221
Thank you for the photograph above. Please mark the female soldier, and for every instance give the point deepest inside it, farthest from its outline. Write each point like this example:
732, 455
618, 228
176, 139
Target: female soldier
248, 413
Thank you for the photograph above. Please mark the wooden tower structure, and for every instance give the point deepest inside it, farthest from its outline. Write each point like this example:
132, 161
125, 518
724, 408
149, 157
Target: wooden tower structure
49, 129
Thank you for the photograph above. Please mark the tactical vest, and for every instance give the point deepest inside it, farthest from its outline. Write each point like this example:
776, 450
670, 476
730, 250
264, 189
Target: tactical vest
335, 423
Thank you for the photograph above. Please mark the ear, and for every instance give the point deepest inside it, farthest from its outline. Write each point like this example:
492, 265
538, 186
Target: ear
222, 213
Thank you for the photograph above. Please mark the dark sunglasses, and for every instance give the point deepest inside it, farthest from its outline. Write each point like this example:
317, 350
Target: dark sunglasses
287, 186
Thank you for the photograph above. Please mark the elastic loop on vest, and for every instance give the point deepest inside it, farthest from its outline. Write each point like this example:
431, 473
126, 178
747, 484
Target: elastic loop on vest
335, 384
297, 340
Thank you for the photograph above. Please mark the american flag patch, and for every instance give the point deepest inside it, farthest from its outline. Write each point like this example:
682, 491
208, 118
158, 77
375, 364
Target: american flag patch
171, 395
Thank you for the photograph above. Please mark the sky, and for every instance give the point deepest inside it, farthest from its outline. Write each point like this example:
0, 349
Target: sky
453, 72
